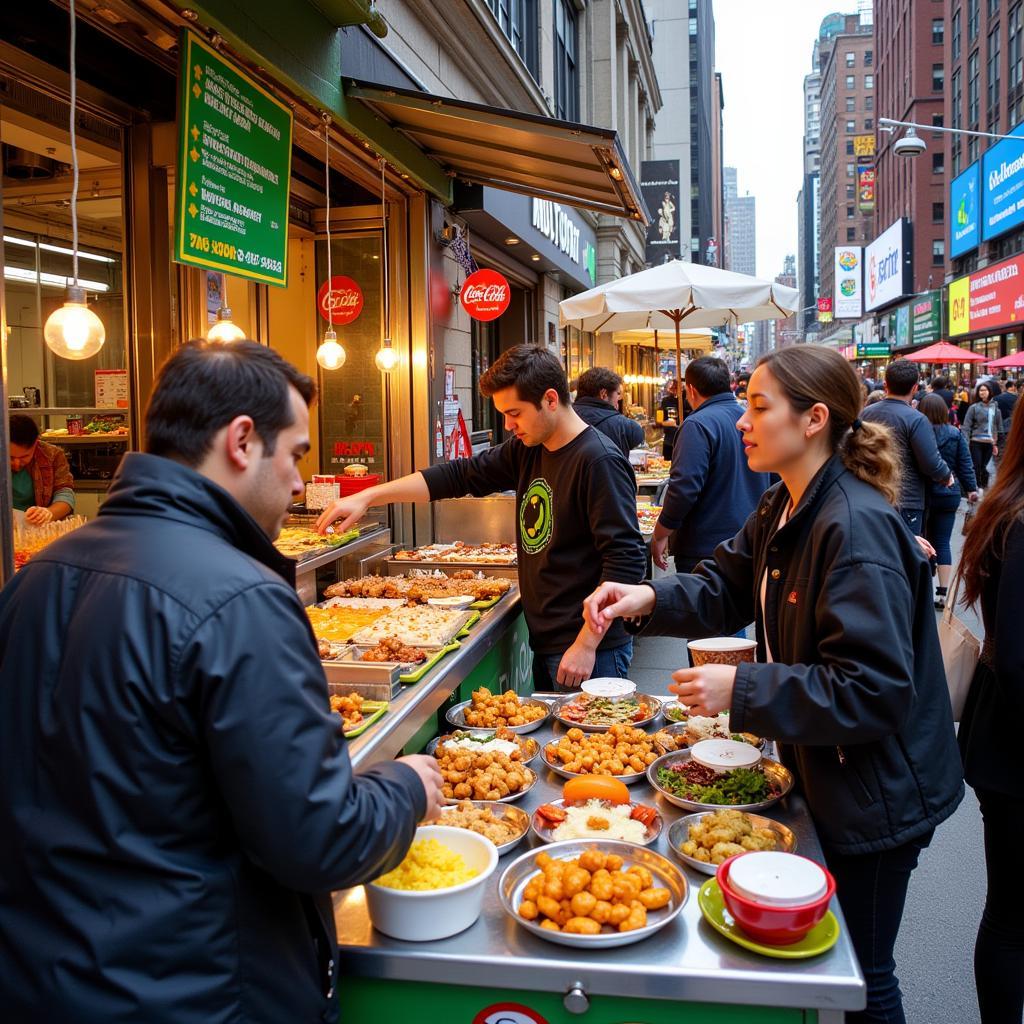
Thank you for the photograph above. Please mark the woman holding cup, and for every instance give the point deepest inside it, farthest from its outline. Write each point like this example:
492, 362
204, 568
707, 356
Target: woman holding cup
849, 677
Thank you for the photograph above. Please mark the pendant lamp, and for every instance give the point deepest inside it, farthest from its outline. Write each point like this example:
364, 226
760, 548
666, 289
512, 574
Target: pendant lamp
386, 357
330, 355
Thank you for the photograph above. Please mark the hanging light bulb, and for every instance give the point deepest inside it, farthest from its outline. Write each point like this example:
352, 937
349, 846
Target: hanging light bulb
386, 357
74, 331
330, 355
225, 329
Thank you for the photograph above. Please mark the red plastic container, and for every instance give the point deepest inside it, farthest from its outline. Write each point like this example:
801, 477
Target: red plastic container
774, 926
354, 484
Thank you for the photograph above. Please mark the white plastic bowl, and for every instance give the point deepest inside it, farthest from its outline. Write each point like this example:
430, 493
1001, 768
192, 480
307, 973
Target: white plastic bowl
605, 686
725, 755
777, 879
422, 916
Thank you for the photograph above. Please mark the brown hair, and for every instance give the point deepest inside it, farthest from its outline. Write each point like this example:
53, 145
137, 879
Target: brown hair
935, 408
985, 544
531, 369
809, 374
591, 382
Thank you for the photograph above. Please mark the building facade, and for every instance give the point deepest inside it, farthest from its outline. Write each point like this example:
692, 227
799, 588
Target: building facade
808, 276
740, 227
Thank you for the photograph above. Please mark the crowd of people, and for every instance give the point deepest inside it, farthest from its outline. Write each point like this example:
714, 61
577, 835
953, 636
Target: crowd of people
170, 768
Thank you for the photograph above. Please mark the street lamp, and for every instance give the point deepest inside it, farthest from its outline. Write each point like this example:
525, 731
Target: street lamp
913, 145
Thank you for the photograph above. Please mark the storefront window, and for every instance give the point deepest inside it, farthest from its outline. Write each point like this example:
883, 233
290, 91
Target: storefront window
485, 350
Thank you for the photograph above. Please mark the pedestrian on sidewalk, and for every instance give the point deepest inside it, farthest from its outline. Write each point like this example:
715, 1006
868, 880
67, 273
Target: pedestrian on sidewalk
849, 677
992, 570
983, 429
598, 394
944, 501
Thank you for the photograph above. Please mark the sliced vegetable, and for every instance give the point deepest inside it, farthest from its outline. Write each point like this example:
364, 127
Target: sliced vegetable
644, 814
553, 814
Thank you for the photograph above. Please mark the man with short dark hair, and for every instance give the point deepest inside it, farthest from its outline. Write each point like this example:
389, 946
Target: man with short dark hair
576, 521
914, 438
940, 386
670, 412
41, 481
711, 491
176, 798
1006, 400
598, 393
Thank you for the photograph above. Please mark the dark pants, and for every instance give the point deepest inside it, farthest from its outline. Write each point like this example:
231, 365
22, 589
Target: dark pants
981, 453
872, 889
939, 530
611, 663
914, 518
999, 953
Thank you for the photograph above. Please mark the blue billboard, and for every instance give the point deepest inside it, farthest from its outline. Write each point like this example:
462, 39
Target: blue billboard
964, 211
1002, 196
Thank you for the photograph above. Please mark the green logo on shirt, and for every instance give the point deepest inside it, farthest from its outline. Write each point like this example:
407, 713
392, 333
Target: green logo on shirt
535, 517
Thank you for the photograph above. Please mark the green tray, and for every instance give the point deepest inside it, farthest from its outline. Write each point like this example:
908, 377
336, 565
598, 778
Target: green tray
470, 623
376, 709
417, 674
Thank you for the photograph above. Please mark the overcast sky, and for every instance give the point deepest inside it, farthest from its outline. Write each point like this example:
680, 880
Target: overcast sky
763, 51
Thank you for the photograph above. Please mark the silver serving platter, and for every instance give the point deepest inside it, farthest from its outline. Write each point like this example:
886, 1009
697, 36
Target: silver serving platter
511, 798
516, 815
527, 744
679, 833
517, 875
776, 772
558, 769
679, 729
586, 727
455, 716
547, 835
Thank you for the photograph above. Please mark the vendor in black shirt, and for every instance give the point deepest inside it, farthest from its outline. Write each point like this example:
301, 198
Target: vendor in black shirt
669, 418
576, 524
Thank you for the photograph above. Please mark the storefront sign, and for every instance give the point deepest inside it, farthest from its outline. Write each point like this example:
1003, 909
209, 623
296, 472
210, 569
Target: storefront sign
341, 302
659, 184
864, 145
926, 325
485, 295
990, 299
555, 222
214, 295
887, 266
111, 388
1002, 198
234, 169
902, 326
866, 189
849, 282
456, 433
964, 225
873, 350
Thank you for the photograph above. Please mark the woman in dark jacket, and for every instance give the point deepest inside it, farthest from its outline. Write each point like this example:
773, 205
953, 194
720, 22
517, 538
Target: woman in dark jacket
992, 568
944, 501
850, 677
983, 429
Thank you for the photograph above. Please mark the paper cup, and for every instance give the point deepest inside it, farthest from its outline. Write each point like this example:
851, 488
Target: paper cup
722, 650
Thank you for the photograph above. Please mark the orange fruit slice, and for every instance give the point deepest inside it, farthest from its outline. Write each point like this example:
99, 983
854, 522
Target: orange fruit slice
596, 787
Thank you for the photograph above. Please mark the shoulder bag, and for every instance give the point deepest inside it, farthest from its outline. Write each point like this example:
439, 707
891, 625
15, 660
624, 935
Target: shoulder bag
960, 652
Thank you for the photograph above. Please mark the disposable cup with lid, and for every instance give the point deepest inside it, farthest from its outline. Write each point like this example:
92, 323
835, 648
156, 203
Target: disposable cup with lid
608, 687
725, 755
777, 879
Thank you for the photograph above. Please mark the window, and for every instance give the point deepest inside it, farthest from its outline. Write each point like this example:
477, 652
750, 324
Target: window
938, 162
517, 20
851, 81
851, 103
938, 213
972, 149
567, 82
851, 60
956, 34
956, 103
938, 121
849, 147
869, 58
851, 127
938, 252
869, 81
992, 80
1013, 43
693, 26
869, 102
851, 191
972, 20
851, 234
938, 31
869, 124
972, 90
849, 170
938, 77
849, 213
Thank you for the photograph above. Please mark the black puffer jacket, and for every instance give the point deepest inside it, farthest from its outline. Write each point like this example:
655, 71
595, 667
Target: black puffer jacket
176, 801
626, 433
857, 694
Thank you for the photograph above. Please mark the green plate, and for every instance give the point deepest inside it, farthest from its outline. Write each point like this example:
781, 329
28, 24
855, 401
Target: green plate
820, 939
418, 673
470, 623
376, 709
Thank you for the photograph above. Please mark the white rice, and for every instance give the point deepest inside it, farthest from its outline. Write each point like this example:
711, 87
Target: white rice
620, 825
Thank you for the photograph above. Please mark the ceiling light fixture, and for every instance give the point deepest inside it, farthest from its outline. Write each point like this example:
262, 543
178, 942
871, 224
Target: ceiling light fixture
511, 240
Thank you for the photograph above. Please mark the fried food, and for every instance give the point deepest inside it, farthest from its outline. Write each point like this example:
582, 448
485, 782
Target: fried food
487, 775
390, 648
350, 707
582, 895
419, 589
481, 820
489, 710
722, 834
417, 626
622, 750
338, 625
494, 554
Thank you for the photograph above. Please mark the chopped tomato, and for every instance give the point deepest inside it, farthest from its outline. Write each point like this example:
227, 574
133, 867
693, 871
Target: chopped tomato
551, 813
644, 814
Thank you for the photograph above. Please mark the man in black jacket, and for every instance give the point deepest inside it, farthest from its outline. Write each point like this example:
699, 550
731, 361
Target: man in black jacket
176, 799
598, 393
915, 440
576, 522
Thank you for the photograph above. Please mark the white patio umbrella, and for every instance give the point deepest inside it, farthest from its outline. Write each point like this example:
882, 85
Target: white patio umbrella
675, 294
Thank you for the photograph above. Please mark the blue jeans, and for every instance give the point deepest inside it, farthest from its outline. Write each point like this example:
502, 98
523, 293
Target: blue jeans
941, 520
611, 662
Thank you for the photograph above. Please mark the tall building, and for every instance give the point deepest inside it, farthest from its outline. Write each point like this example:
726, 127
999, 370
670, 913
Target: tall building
788, 331
846, 57
688, 127
910, 79
807, 199
740, 227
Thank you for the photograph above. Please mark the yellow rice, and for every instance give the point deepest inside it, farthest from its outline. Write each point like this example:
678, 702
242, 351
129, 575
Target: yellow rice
428, 865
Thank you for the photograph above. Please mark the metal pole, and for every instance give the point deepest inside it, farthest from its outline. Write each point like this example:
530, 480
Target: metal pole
6, 492
679, 369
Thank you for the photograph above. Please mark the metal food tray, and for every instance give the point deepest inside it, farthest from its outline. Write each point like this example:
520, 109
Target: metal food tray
401, 567
518, 874
527, 744
546, 834
381, 691
776, 772
629, 778
571, 698
514, 815
679, 833
378, 681
454, 716
459, 624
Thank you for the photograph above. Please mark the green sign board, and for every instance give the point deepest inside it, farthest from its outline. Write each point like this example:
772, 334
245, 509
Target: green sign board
927, 314
873, 350
234, 168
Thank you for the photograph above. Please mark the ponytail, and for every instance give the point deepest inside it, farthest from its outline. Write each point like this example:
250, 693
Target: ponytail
869, 453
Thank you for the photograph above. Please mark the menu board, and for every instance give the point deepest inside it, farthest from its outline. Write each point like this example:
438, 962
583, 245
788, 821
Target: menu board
111, 389
234, 169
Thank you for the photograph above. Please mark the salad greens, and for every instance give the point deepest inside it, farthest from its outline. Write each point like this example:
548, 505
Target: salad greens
740, 786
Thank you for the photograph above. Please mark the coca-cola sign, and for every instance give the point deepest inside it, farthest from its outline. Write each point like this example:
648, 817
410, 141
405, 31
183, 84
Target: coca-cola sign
340, 300
485, 295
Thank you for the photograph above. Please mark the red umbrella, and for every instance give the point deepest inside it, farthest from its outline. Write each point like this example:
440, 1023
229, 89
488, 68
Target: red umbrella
1017, 359
943, 352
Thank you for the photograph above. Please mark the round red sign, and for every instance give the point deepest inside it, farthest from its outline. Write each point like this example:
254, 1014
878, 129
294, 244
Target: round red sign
341, 302
485, 295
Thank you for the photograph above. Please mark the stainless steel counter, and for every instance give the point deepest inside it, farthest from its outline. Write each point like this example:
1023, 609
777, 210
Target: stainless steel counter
685, 962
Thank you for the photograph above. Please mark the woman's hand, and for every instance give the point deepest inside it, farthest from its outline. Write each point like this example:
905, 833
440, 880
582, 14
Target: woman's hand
925, 546
37, 515
706, 690
614, 600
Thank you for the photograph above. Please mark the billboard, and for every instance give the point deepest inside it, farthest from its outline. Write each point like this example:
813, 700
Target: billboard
864, 145
659, 184
848, 274
927, 317
888, 266
988, 300
964, 207
866, 189
1002, 195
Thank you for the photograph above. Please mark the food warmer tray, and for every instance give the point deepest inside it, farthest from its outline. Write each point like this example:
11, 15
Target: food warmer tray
454, 716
